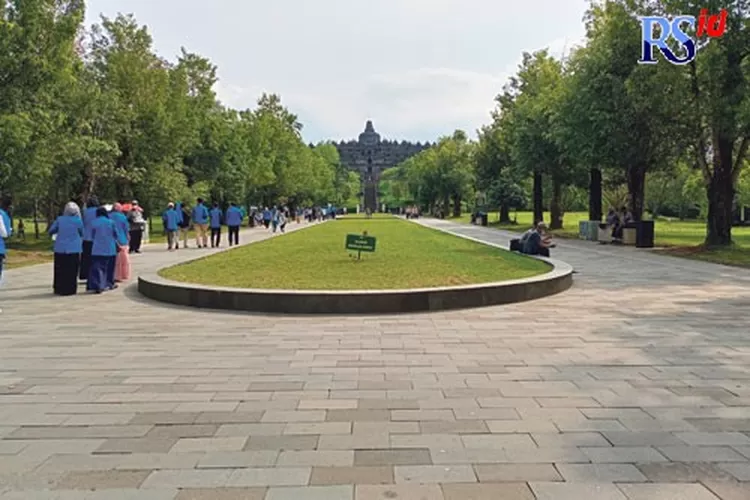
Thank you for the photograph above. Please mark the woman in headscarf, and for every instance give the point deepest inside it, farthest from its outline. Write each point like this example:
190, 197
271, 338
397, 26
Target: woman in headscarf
105, 237
122, 261
89, 216
68, 247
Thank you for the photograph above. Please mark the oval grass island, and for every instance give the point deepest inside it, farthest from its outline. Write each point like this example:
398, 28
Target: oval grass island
309, 271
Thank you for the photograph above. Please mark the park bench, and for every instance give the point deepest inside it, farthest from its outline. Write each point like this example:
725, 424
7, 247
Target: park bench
638, 234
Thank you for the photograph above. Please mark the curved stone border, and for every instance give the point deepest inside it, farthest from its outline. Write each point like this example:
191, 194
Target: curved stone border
558, 280
357, 301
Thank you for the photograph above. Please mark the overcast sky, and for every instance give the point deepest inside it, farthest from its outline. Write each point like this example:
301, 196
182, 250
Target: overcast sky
419, 69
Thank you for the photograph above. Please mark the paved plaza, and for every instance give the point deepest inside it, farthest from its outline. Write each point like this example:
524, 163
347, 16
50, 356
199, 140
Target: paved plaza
632, 385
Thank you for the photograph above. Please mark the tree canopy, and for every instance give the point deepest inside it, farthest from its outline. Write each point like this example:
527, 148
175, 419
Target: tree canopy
96, 111
596, 111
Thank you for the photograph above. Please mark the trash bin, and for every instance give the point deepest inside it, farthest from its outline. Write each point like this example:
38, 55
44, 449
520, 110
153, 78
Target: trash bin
629, 233
583, 229
604, 235
483, 216
588, 230
644, 234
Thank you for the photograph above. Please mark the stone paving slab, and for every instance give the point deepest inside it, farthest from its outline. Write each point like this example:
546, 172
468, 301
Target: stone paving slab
633, 384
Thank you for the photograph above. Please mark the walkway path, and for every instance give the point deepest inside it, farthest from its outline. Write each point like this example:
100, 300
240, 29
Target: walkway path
634, 384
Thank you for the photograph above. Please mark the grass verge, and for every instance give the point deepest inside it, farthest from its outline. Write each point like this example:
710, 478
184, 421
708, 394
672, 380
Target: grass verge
673, 237
406, 256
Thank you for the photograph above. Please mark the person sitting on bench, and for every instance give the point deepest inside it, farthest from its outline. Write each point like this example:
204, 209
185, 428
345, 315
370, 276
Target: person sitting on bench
614, 222
536, 243
516, 244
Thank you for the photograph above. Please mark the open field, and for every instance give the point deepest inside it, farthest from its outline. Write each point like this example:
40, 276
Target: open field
675, 237
406, 256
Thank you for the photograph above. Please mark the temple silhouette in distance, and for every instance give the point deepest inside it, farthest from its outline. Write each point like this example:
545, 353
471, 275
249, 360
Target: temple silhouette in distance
370, 156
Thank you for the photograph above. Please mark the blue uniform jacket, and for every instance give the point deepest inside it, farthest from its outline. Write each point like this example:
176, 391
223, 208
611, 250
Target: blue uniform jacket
171, 219
69, 231
89, 216
234, 216
200, 214
8, 227
121, 223
106, 236
216, 218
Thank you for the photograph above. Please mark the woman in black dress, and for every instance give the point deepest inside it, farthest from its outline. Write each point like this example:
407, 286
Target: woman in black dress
68, 229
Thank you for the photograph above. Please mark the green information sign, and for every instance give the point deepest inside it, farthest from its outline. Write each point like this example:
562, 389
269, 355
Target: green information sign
360, 243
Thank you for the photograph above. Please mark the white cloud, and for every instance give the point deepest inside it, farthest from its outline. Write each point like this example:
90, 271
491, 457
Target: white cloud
417, 68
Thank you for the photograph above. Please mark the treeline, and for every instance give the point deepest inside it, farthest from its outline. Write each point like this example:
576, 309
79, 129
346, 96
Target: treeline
662, 137
96, 111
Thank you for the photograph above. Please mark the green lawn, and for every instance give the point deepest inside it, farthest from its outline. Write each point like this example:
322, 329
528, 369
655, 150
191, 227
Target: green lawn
679, 238
407, 256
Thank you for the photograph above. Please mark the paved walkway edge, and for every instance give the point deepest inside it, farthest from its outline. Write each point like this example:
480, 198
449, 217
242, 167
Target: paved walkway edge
559, 279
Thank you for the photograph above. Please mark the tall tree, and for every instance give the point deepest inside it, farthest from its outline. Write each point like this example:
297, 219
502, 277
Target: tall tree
535, 146
620, 115
720, 109
37, 59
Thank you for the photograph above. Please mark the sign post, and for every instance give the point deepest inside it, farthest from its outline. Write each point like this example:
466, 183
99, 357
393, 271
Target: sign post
360, 243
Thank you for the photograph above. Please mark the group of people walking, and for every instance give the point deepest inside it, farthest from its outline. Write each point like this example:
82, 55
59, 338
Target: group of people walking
178, 218
92, 246
276, 218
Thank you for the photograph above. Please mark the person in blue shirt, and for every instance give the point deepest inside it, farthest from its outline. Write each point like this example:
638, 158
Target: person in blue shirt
89, 216
267, 216
178, 207
122, 261
171, 219
183, 224
105, 237
68, 247
200, 221
6, 230
215, 215
234, 221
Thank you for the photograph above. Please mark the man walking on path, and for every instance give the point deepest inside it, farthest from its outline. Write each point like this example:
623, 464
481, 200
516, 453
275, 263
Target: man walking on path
279, 221
183, 223
89, 216
200, 220
274, 219
171, 219
267, 217
234, 221
216, 217
137, 225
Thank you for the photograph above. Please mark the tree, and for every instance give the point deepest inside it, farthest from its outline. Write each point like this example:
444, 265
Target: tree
37, 60
537, 93
619, 115
441, 175
720, 110
494, 167
507, 193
